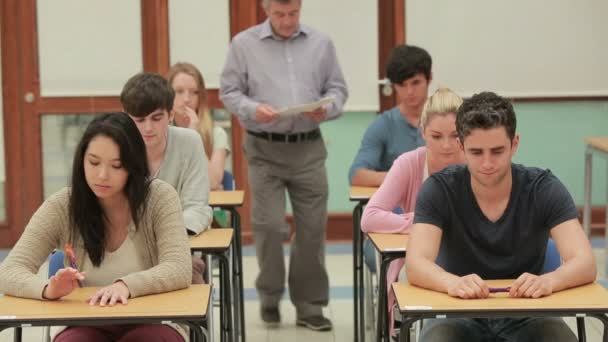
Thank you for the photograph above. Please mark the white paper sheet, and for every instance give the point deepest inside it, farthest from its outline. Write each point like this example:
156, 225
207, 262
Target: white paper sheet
308, 107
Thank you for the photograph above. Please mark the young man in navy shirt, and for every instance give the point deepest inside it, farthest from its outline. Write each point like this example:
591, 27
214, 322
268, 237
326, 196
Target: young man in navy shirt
491, 219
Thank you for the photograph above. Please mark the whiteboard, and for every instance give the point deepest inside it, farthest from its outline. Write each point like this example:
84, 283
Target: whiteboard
353, 27
199, 33
517, 48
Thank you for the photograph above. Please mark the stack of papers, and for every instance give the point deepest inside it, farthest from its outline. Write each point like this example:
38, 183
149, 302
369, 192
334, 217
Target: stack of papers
307, 107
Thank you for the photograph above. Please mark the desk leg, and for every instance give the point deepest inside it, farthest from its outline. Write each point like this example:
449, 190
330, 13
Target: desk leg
382, 330
406, 325
196, 332
210, 322
587, 197
225, 305
580, 329
17, 334
361, 282
237, 258
359, 328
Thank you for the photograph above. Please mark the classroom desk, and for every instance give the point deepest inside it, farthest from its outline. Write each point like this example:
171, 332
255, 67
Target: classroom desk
181, 306
598, 145
361, 195
230, 200
217, 242
417, 303
390, 247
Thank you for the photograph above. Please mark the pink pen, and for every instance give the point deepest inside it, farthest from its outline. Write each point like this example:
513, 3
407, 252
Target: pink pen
69, 251
500, 289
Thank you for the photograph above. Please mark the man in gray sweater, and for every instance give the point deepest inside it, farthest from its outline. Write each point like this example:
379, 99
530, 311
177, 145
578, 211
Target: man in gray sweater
175, 155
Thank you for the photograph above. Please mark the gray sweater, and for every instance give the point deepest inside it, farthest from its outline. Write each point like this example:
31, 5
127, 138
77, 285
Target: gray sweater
185, 168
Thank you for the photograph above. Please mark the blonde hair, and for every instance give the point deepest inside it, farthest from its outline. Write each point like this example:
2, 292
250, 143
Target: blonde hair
442, 102
205, 128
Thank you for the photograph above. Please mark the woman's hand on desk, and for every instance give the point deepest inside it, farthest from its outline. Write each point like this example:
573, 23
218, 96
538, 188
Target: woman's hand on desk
110, 295
469, 287
531, 286
62, 283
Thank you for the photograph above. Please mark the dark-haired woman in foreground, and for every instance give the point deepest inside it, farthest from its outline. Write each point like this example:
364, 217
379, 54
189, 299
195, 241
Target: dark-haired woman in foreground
127, 233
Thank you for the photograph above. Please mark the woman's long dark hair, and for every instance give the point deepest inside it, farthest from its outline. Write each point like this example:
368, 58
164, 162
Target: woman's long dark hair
86, 214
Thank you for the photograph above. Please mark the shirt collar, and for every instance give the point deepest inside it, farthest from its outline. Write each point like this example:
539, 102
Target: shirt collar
266, 31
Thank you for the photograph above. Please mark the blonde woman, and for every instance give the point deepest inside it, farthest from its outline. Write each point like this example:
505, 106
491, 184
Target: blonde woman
191, 110
401, 185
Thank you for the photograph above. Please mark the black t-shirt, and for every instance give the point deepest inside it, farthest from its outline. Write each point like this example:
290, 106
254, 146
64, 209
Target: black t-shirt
515, 243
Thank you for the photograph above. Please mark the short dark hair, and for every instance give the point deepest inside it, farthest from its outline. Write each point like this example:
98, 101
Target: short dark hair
145, 93
405, 61
86, 214
485, 110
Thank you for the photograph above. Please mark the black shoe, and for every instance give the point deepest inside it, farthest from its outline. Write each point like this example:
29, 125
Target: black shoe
271, 316
317, 323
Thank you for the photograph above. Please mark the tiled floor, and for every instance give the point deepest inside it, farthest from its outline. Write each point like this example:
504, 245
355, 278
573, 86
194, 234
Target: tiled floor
340, 309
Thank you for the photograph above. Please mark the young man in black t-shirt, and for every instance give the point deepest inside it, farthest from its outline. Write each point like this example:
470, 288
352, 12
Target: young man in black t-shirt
491, 219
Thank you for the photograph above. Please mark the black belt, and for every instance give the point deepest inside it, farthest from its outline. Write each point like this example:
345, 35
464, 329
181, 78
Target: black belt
288, 138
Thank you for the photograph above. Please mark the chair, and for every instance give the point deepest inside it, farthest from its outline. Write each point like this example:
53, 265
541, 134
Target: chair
552, 258
228, 181
370, 277
371, 260
55, 264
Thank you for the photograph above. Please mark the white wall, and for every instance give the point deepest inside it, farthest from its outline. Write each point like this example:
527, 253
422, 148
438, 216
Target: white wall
353, 26
199, 33
518, 48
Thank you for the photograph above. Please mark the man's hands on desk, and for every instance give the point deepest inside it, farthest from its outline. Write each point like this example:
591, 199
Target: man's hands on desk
526, 286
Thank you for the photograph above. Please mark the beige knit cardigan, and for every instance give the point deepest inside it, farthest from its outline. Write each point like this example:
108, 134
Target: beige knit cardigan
160, 236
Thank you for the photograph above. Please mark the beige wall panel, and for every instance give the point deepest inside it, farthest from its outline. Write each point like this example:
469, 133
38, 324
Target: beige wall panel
88, 48
353, 26
199, 33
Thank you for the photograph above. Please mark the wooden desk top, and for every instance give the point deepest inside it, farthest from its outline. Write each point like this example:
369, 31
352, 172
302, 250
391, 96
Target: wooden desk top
216, 239
411, 298
600, 143
226, 198
386, 243
181, 304
358, 193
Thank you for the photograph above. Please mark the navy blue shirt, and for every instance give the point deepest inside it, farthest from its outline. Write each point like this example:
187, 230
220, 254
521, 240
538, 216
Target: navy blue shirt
515, 243
389, 136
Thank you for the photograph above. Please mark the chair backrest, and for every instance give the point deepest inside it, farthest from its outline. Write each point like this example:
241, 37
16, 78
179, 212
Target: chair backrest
56, 262
552, 258
228, 181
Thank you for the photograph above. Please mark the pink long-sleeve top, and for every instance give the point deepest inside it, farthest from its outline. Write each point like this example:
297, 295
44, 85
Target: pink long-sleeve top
399, 189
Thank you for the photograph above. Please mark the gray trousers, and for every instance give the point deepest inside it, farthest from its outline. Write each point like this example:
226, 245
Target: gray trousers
298, 168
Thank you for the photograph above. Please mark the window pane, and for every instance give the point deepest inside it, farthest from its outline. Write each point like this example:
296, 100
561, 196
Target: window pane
60, 135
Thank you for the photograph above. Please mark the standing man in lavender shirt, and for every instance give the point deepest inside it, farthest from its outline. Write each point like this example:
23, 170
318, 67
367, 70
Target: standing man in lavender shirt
277, 64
